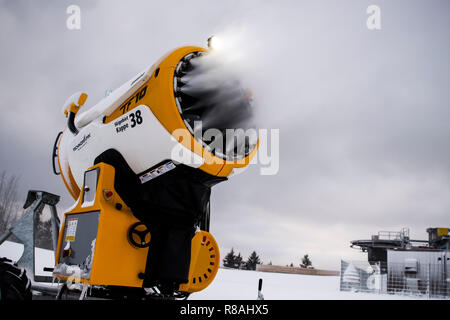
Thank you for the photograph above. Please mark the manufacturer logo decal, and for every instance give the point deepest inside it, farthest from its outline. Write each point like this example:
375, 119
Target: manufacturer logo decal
82, 143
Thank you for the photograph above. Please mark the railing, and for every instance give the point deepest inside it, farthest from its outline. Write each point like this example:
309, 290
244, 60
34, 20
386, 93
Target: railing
394, 235
427, 281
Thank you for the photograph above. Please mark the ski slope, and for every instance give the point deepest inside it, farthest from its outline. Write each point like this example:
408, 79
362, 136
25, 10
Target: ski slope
231, 284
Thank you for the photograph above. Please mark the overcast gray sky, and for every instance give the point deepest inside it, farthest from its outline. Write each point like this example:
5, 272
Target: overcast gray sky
363, 114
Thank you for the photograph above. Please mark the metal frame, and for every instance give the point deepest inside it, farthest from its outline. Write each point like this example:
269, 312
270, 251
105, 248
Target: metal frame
25, 227
430, 280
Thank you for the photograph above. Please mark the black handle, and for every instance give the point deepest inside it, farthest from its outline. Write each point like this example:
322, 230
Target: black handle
55, 154
142, 234
71, 123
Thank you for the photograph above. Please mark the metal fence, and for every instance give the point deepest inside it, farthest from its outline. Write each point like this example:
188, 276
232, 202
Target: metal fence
427, 280
393, 235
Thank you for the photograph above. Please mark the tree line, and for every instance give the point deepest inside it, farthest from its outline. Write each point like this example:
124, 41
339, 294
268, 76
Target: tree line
8, 201
306, 263
236, 261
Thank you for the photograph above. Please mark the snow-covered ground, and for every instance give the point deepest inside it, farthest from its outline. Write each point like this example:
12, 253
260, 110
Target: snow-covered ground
240, 284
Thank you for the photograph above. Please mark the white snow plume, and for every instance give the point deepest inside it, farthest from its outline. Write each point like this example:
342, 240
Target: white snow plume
211, 89
244, 64
216, 92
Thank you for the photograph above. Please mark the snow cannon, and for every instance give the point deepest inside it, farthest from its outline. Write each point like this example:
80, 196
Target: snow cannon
140, 165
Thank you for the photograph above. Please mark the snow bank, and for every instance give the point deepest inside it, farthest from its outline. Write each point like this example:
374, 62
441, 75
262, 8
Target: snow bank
231, 284
242, 284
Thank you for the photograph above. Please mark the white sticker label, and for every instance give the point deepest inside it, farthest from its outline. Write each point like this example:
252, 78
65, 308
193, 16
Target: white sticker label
71, 229
157, 172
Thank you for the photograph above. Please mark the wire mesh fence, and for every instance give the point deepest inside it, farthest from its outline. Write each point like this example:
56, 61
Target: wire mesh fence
426, 280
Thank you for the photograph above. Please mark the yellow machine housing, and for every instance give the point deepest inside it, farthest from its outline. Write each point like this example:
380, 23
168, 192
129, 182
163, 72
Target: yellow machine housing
112, 259
131, 134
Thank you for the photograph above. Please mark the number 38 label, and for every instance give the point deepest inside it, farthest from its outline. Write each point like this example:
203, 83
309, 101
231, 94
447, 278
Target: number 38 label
136, 118
129, 121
